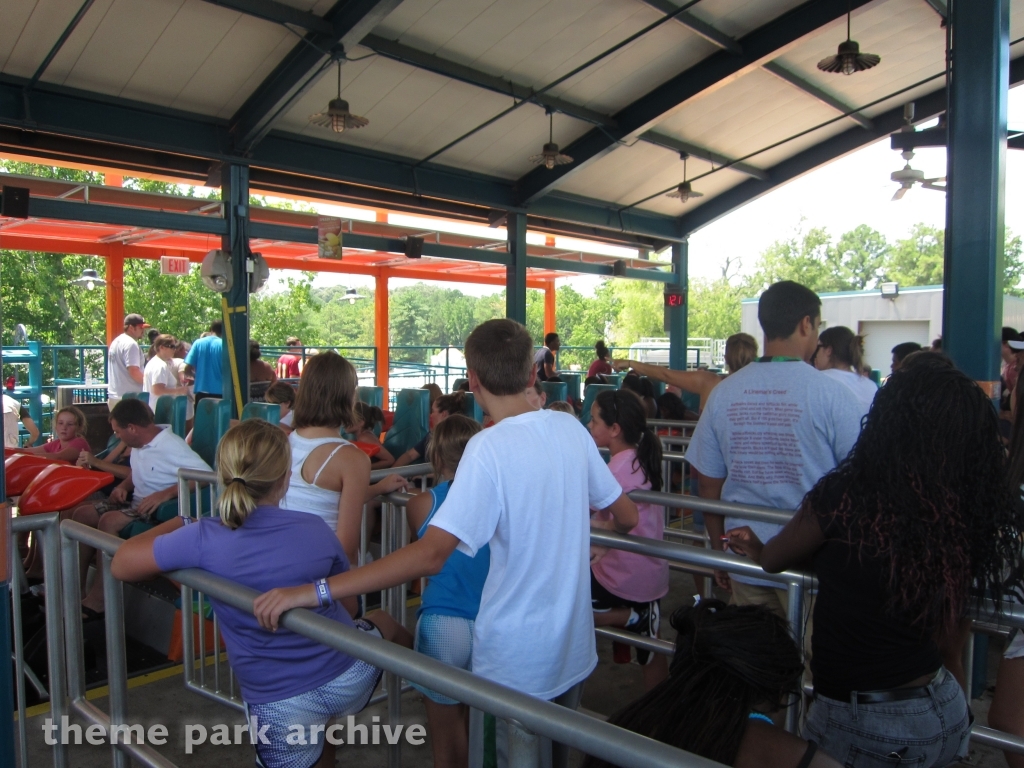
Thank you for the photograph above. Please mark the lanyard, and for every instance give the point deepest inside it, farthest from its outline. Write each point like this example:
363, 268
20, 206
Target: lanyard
778, 359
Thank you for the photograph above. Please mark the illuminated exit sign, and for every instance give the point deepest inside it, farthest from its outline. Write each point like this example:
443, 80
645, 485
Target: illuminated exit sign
174, 265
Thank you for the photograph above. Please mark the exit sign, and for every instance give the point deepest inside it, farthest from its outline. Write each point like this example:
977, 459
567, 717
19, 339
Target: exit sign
174, 265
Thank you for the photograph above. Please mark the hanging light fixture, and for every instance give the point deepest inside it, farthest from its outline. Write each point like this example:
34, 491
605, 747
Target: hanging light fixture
353, 295
337, 116
550, 156
89, 280
849, 59
685, 190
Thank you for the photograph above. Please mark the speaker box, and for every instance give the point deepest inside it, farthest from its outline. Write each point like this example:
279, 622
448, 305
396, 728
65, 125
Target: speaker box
14, 202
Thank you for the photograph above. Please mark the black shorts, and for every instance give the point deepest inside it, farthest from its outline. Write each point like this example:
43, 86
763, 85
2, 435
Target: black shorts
601, 600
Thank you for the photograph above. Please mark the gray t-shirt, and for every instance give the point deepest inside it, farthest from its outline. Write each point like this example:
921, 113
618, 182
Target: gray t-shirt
124, 351
772, 430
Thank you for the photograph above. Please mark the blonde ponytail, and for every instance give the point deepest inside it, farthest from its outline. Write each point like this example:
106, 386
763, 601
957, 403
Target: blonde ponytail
253, 458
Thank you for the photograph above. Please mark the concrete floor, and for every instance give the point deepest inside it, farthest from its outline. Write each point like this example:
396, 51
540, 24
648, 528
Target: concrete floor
166, 701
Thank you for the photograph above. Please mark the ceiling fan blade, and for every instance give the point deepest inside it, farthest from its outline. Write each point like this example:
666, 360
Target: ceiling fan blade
899, 194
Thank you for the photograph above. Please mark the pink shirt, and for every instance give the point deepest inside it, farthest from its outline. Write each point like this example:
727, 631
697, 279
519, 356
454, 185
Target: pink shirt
634, 577
54, 445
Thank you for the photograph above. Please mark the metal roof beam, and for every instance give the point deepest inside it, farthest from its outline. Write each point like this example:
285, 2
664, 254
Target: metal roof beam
760, 45
805, 85
279, 13
392, 49
831, 149
60, 42
940, 7
350, 21
676, 145
702, 28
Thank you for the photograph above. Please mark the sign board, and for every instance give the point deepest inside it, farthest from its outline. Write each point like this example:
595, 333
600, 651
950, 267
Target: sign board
174, 265
328, 237
675, 296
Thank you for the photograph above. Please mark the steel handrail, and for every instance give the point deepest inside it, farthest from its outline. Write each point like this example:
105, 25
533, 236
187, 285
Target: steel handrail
608, 742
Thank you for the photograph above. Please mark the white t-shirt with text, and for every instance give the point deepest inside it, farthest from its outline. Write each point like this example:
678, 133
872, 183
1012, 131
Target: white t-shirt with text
772, 430
124, 352
526, 487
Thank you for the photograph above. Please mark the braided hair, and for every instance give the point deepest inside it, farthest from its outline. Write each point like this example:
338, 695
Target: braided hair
925, 488
730, 661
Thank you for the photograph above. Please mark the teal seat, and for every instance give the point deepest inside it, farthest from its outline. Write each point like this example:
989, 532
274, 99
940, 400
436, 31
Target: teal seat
143, 396
460, 383
112, 442
659, 386
573, 381
371, 396
269, 412
691, 400
213, 419
615, 379
168, 511
472, 408
555, 390
412, 419
172, 409
591, 395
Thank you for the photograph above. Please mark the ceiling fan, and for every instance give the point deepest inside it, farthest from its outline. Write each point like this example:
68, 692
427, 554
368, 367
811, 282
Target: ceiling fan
684, 191
337, 116
907, 177
550, 156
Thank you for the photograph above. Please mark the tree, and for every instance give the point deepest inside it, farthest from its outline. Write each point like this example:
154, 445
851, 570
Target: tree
714, 308
858, 258
919, 258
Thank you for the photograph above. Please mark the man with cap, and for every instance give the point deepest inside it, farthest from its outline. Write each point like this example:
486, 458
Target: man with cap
124, 360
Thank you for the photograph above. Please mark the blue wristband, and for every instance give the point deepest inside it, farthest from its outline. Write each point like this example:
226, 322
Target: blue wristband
323, 593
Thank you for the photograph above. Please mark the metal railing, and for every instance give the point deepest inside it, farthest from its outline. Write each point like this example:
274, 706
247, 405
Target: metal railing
527, 716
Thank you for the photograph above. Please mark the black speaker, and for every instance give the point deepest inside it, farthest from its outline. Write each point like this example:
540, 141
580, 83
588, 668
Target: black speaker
14, 203
619, 268
413, 247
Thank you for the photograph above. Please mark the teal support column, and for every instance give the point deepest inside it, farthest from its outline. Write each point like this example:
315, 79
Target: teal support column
35, 383
677, 316
976, 158
515, 283
235, 303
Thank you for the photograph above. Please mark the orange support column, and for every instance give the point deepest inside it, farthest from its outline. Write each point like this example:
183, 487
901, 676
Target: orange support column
549, 308
115, 291
381, 333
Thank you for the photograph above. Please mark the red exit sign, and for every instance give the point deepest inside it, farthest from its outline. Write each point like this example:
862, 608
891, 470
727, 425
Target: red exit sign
174, 265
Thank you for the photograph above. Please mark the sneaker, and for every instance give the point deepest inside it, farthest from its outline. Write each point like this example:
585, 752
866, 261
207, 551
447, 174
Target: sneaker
646, 626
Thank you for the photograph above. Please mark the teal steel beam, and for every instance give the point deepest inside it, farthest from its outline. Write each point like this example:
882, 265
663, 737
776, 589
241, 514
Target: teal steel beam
702, 28
803, 84
143, 218
350, 21
515, 274
235, 194
430, 62
83, 9
972, 305
678, 145
604, 270
279, 13
645, 112
678, 319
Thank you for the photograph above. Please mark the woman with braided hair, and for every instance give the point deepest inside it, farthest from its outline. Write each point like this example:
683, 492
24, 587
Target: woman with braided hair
733, 666
916, 520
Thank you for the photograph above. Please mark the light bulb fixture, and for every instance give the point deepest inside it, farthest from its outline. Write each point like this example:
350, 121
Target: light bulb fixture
337, 116
685, 190
89, 280
353, 295
849, 59
550, 156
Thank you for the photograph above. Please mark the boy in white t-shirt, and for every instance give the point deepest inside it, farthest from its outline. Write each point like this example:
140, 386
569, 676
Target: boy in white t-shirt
526, 487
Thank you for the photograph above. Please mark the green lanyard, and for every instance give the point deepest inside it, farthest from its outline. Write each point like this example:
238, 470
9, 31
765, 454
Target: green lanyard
779, 359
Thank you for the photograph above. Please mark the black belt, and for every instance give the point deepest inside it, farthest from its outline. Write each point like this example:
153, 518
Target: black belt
880, 697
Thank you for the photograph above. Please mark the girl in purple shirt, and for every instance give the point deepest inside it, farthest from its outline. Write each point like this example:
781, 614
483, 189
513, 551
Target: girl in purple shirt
285, 678
625, 588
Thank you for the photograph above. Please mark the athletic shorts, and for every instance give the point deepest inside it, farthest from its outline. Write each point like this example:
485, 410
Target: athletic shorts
601, 600
449, 639
346, 694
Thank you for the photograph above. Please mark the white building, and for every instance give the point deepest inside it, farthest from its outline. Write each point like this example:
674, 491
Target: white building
914, 315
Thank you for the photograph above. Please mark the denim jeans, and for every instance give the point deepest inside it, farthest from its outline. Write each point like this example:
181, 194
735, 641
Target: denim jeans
933, 730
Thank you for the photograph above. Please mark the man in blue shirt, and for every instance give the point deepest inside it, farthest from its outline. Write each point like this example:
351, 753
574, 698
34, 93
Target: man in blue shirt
204, 362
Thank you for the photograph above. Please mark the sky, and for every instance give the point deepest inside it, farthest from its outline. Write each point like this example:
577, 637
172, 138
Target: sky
839, 196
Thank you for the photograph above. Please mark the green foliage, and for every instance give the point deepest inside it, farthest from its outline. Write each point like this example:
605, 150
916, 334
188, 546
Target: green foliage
714, 308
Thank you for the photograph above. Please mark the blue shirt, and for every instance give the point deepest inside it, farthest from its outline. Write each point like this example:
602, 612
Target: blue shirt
456, 590
274, 547
206, 357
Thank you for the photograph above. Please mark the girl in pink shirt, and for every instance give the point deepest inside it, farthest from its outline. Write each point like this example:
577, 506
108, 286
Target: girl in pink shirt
626, 589
68, 436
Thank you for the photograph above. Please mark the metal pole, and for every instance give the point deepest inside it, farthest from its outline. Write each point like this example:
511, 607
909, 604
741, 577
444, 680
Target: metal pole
19, 652
515, 279
117, 670
677, 316
74, 651
972, 310
968, 662
55, 629
235, 194
795, 616
523, 746
396, 608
